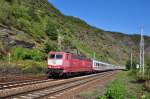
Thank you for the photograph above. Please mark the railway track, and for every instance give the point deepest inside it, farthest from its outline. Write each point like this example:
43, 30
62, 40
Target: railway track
21, 81
49, 88
14, 84
11, 78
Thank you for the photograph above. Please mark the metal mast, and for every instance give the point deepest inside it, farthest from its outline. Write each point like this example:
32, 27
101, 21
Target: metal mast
59, 40
142, 52
94, 55
131, 60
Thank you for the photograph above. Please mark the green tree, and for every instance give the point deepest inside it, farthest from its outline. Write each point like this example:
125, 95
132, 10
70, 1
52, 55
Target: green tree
128, 64
147, 64
52, 32
50, 46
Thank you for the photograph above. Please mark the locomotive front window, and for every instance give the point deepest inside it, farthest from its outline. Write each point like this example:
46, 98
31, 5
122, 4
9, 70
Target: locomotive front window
58, 56
55, 56
52, 56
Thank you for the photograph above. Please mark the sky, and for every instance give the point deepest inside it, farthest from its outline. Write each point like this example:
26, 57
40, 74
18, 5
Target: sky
126, 16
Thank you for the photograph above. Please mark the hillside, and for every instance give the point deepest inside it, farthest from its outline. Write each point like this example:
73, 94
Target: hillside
28, 30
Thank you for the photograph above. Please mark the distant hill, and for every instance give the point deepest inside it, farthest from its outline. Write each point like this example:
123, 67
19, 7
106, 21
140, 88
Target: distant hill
33, 27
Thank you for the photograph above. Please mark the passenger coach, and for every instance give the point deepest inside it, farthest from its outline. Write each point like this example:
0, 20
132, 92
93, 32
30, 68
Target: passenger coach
101, 66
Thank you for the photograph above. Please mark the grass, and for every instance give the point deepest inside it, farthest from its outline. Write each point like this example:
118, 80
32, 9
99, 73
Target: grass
125, 86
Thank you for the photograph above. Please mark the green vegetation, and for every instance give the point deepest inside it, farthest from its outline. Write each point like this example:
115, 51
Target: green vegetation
34, 67
128, 65
141, 77
23, 67
116, 90
20, 53
125, 87
147, 64
145, 78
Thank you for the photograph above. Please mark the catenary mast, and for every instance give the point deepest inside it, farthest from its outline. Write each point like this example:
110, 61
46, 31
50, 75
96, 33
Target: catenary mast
142, 52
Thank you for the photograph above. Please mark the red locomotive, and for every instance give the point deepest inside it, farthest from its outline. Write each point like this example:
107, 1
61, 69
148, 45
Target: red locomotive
65, 63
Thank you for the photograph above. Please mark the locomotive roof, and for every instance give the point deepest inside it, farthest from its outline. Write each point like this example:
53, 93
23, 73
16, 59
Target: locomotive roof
62, 52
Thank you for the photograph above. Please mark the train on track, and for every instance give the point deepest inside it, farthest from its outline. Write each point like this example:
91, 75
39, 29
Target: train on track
66, 64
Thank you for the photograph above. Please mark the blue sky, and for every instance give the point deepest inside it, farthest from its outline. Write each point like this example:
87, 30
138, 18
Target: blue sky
112, 15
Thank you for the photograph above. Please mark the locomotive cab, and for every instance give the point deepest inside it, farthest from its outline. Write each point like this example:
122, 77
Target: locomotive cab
57, 62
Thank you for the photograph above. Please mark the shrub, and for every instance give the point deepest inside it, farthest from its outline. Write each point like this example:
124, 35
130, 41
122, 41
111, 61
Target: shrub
19, 53
4, 12
52, 32
128, 64
115, 91
146, 76
37, 55
147, 72
34, 67
102, 97
50, 46
1, 57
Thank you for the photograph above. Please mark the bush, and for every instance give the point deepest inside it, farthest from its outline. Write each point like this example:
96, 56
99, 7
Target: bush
147, 72
4, 12
115, 91
102, 97
34, 67
142, 78
52, 32
1, 57
128, 64
19, 53
50, 46
36, 55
